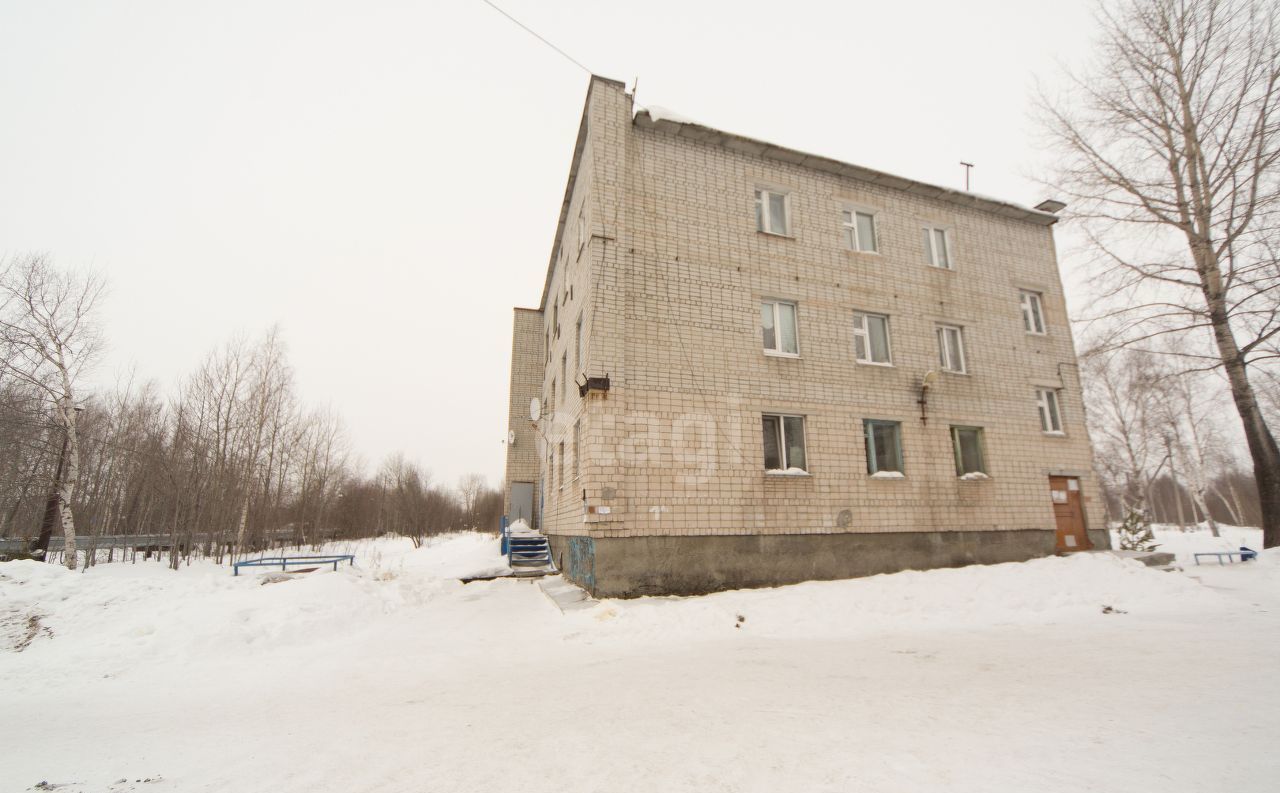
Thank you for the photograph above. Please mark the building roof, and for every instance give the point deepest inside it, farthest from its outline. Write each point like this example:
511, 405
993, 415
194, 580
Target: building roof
662, 121
665, 121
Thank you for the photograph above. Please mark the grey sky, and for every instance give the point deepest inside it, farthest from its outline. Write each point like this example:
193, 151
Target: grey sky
383, 179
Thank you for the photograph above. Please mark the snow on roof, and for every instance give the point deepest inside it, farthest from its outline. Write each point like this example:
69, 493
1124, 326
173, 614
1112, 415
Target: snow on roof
662, 119
660, 113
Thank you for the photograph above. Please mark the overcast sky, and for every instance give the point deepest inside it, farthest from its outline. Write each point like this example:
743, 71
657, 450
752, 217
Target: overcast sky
382, 179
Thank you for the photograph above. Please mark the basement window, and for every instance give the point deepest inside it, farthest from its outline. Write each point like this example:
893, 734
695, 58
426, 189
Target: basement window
784, 443
771, 212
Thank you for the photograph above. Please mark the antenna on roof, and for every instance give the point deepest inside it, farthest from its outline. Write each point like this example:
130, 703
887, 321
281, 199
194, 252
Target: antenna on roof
968, 168
635, 88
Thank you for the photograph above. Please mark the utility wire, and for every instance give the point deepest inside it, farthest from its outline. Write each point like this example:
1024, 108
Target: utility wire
534, 33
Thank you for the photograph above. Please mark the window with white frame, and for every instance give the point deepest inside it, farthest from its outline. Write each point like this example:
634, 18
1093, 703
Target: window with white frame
771, 212
551, 406
555, 320
859, 230
564, 374
560, 466
951, 349
784, 443
1050, 413
884, 446
871, 338
778, 327
937, 247
967, 442
577, 447
1032, 312
582, 226
577, 343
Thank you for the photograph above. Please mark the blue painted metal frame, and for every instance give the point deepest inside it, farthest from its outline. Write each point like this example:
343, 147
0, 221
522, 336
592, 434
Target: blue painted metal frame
285, 561
505, 529
1246, 555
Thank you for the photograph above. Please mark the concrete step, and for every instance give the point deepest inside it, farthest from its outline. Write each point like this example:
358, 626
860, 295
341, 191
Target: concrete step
565, 595
1149, 558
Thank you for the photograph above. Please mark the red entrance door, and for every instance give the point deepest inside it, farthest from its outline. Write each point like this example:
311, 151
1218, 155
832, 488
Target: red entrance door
1068, 510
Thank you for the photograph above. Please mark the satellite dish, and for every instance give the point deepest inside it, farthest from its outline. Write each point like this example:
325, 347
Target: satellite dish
927, 381
511, 437
535, 409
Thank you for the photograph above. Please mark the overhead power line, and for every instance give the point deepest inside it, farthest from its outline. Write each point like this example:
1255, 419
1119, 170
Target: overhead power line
534, 33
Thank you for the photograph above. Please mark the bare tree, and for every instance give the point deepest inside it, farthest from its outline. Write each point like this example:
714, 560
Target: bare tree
1122, 403
1173, 146
470, 486
48, 337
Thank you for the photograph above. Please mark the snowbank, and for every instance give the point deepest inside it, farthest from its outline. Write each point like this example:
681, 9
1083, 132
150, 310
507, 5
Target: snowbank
1053, 588
122, 617
1198, 539
393, 675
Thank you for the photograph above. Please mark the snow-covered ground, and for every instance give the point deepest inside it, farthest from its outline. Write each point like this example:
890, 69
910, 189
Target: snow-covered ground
1196, 539
394, 676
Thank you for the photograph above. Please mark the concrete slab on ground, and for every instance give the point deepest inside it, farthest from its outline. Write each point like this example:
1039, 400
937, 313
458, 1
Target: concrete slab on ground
1149, 558
566, 595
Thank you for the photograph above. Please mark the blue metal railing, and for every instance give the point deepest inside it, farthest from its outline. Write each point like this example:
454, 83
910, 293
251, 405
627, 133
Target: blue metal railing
505, 529
285, 561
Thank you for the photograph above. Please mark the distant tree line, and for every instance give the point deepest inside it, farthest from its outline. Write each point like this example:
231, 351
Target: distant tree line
1164, 446
229, 462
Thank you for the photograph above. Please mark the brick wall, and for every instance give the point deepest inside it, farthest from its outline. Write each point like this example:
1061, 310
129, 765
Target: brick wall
669, 284
526, 383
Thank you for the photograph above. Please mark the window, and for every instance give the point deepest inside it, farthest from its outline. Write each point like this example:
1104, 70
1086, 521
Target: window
859, 230
550, 406
784, 443
1050, 415
884, 446
968, 447
771, 212
951, 349
577, 447
937, 247
1032, 312
778, 323
548, 347
577, 344
564, 374
582, 226
871, 338
560, 466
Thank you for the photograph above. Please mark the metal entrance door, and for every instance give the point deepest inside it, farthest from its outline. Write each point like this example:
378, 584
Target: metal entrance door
1068, 511
522, 502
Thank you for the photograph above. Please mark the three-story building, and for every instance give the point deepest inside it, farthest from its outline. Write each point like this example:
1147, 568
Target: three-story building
755, 366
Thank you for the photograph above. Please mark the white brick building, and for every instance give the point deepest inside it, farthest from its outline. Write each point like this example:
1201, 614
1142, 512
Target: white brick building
768, 321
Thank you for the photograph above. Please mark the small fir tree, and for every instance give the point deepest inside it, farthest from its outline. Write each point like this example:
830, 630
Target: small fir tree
1135, 532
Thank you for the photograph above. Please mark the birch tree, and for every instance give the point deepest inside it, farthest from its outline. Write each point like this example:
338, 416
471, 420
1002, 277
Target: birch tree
1171, 144
48, 337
